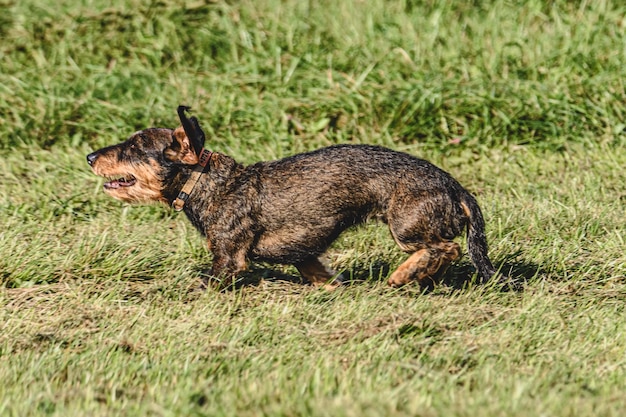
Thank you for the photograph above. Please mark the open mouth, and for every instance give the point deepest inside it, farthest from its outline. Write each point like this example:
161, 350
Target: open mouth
126, 181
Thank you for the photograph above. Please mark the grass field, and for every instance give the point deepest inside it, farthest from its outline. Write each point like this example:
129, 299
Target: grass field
523, 102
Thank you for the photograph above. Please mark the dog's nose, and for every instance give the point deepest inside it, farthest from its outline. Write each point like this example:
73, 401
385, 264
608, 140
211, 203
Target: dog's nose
91, 158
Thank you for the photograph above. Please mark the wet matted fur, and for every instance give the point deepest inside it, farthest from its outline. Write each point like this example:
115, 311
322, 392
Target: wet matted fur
289, 211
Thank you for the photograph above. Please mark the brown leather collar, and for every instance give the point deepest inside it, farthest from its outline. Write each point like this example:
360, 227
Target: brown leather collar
198, 169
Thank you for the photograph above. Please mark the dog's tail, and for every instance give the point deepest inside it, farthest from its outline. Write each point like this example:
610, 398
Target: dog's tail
476, 239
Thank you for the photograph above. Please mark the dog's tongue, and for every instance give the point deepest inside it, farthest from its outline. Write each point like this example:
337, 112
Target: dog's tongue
122, 182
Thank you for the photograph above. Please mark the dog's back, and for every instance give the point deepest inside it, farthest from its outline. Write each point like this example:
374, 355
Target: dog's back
361, 178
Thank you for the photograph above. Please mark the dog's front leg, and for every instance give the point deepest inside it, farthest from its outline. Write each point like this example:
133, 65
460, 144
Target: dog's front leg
224, 269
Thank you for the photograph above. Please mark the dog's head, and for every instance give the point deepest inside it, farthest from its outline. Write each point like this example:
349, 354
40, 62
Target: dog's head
141, 167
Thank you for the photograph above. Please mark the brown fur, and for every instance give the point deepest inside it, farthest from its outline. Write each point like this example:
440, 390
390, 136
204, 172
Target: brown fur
289, 211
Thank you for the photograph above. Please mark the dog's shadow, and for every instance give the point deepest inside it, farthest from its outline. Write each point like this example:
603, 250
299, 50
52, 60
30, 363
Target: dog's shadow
512, 274
512, 269
254, 276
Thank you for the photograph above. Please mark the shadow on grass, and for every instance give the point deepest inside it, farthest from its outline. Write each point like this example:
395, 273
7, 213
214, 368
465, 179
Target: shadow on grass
458, 276
254, 276
515, 272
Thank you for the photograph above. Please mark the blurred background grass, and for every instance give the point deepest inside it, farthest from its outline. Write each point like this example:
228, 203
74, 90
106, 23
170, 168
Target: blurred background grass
535, 73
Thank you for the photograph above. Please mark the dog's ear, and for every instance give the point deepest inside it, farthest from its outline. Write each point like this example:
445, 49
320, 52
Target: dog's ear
187, 141
192, 129
181, 150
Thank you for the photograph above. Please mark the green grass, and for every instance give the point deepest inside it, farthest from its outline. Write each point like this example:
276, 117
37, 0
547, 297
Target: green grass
523, 102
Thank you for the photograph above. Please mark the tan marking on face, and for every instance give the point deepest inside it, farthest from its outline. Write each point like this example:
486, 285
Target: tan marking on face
147, 186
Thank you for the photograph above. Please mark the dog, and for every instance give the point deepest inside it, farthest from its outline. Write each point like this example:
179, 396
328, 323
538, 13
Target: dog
289, 211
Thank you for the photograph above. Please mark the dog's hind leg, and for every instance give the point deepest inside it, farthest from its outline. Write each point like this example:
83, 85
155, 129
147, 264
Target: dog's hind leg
426, 265
318, 274
424, 225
